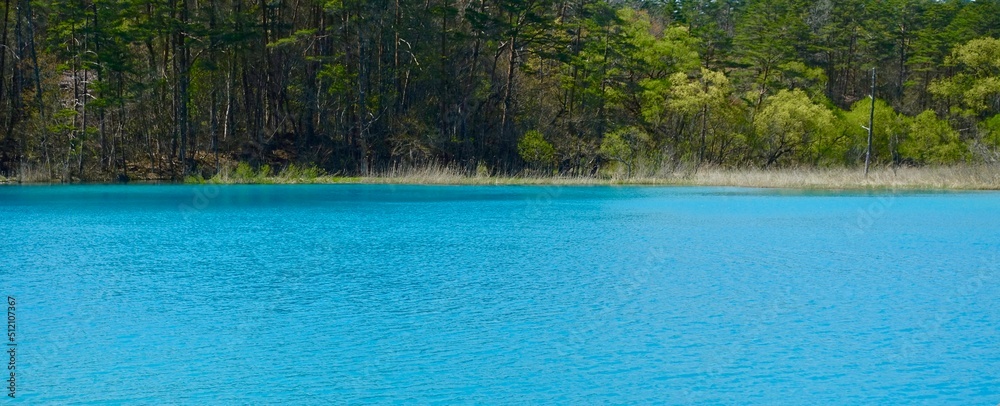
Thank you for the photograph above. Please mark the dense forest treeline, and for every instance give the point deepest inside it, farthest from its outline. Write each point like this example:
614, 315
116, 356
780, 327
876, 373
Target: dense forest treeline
117, 89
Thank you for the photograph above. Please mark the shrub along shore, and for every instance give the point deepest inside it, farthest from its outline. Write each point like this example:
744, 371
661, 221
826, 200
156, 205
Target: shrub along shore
964, 177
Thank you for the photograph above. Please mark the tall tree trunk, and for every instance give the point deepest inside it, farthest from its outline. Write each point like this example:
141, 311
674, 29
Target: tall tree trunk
229, 115
362, 115
104, 158
17, 108
214, 123
443, 93
38, 88
86, 95
74, 63
183, 84
213, 56
3, 43
507, 95
121, 125
871, 125
704, 129
175, 63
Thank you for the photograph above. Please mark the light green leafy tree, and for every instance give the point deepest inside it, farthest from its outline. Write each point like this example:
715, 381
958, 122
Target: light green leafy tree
704, 97
536, 151
659, 57
646, 74
932, 141
656, 53
787, 126
991, 132
889, 128
977, 86
626, 146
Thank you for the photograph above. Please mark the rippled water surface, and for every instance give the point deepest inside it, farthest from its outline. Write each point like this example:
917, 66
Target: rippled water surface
416, 294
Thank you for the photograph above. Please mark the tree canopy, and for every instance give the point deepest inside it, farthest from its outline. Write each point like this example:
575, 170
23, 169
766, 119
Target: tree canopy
102, 90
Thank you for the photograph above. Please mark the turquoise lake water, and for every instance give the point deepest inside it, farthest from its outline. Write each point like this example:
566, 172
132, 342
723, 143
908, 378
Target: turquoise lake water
511, 295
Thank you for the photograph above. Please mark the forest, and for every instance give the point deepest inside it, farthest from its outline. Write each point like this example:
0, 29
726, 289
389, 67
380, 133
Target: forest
101, 90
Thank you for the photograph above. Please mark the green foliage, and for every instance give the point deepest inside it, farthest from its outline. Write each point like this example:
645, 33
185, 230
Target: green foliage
768, 33
482, 170
715, 114
300, 174
689, 95
659, 55
297, 37
889, 129
977, 86
102, 89
336, 78
637, 60
788, 126
932, 141
244, 172
797, 75
264, 171
655, 62
626, 146
535, 150
195, 179
980, 56
991, 132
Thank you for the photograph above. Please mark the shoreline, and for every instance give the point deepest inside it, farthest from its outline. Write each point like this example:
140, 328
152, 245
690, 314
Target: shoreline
981, 177
962, 177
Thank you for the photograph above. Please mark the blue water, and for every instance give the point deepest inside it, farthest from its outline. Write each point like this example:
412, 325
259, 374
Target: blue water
511, 295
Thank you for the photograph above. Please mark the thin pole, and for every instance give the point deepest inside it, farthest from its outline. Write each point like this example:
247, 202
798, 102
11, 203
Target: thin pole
871, 121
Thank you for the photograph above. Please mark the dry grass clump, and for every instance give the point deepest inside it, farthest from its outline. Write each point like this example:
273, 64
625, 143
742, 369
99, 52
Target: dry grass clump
32, 174
445, 175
